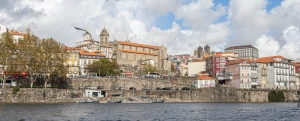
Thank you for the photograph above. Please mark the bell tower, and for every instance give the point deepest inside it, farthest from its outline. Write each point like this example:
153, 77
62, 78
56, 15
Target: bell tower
104, 37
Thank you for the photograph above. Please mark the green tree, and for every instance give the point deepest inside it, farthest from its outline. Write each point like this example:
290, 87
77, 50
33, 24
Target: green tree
8, 59
29, 54
150, 68
53, 58
105, 66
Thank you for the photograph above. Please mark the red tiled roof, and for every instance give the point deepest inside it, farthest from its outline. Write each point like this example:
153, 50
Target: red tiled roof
94, 53
205, 77
269, 59
238, 61
138, 45
138, 52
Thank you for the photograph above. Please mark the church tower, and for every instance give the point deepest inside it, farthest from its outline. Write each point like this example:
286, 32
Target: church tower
104, 37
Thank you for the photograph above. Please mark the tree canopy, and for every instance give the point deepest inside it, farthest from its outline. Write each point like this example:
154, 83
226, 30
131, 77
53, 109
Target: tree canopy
106, 67
150, 68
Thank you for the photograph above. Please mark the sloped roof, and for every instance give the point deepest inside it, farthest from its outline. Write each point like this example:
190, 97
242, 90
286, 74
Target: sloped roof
137, 52
240, 46
138, 45
238, 61
269, 59
94, 53
205, 77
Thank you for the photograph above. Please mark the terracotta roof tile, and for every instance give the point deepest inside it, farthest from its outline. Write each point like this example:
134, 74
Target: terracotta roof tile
205, 77
94, 53
137, 52
238, 61
269, 59
138, 45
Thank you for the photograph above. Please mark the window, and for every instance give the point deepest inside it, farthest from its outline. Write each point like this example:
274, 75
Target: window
134, 57
126, 56
70, 63
71, 55
105, 39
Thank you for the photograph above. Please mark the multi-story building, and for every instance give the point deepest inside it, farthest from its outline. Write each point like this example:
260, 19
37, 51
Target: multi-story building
276, 72
3, 29
73, 62
203, 81
240, 73
244, 51
130, 55
297, 74
19, 35
215, 63
88, 57
196, 66
88, 43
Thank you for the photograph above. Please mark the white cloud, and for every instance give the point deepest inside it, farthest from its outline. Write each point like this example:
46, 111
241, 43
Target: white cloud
273, 32
267, 46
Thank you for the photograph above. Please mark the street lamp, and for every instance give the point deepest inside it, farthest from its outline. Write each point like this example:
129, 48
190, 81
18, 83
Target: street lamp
86, 32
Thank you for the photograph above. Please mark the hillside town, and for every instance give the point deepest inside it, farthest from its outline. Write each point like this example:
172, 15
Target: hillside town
239, 66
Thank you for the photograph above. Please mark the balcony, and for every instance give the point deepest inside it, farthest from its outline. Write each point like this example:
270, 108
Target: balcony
264, 74
285, 74
253, 77
70, 72
278, 73
75, 72
264, 68
224, 76
292, 74
292, 80
279, 80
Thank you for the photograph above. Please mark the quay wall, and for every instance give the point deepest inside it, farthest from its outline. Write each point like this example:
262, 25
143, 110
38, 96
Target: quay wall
215, 94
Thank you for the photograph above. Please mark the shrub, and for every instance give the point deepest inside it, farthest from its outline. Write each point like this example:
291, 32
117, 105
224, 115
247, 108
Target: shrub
15, 90
276, 96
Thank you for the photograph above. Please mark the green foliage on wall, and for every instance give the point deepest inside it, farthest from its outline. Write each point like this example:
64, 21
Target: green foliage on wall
15, 90
276, 96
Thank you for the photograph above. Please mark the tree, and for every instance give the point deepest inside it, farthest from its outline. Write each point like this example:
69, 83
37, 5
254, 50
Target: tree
53, 58
105, 66
8, 59
150, 68
30, 54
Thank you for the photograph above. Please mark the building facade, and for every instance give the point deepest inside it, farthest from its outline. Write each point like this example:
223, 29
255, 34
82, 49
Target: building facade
203, 81
88, 57
241, 73
195, 67
276, 72
3, 29
215, 63
105, 45
244, 51
73, 62
132, 56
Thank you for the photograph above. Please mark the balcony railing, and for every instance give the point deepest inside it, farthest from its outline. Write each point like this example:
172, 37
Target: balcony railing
224, 76
278, 73
253, 76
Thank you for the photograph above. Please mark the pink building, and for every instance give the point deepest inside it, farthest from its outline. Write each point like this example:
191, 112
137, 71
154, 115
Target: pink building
243, 72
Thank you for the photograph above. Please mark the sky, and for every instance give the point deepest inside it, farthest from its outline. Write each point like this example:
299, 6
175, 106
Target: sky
272, 26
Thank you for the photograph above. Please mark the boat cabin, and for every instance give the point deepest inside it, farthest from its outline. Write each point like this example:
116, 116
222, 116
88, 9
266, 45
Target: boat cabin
95, 93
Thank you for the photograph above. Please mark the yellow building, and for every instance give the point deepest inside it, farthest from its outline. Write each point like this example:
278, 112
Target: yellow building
73, 62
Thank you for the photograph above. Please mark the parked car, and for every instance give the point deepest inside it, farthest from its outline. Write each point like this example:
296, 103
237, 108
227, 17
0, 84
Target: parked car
146, 88
185, 88
132, 88
158, 88
121, 88
100, 87
70, 87
166, 88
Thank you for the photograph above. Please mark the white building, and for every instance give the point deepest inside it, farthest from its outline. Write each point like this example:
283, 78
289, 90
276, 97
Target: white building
3, 29
276, 72
196, 66
86, 58
204, 81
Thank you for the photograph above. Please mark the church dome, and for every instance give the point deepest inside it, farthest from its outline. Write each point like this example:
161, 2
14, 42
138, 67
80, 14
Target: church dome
104, 32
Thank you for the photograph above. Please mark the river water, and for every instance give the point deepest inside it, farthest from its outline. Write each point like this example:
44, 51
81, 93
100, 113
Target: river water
150, 112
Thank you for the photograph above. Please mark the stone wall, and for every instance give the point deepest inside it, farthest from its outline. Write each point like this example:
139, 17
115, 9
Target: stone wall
216, 94
138, 83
